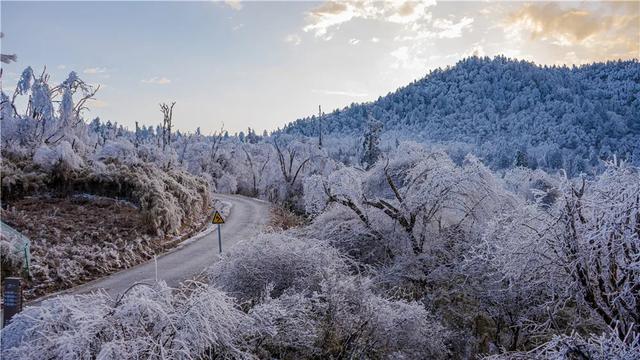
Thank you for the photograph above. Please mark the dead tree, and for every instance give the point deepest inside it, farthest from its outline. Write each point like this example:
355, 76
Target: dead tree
137, 142
286, 159
89, 94
320, 115
215, 145
406, 215
187, 141
167, 113
256, 174
602, 267
401, 213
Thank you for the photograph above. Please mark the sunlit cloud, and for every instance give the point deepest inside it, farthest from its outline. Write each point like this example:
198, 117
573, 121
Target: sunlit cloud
408, 11
328, 15
234, 4
409, 57
447, 29
156, 80
551, 21
604, 31
332, 14
354, 41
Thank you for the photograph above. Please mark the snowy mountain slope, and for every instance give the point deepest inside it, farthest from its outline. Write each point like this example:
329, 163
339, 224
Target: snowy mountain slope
558, 117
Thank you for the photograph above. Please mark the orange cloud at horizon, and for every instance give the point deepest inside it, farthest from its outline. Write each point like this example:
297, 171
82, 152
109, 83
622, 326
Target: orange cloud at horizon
610, 31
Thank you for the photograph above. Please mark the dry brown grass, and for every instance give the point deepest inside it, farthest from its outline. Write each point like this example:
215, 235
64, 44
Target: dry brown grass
80, 238
284, 219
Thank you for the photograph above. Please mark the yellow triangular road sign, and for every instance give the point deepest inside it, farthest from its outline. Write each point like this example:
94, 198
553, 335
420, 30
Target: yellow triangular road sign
217, 218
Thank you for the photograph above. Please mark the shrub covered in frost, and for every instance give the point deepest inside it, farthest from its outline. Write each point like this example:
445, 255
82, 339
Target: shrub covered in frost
168, 199
122, 151
305, 304
605, 347
345, 319
147, 322
61, 155
12, 251
277, 262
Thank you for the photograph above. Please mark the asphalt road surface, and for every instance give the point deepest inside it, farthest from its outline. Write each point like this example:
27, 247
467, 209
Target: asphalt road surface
248, 216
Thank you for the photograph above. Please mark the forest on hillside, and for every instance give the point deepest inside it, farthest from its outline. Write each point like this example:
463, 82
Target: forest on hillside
399, 249
507, 111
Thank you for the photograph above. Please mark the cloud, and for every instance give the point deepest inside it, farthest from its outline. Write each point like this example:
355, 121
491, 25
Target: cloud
447, 29
551, 21
95, 70
332, 14
601, 29
62, 66
410, 11
401, 53
340, 93
234, 4
293, 39
375, 39
328, 15
406, 57
156, 80
438, 29
237, 27
354, 41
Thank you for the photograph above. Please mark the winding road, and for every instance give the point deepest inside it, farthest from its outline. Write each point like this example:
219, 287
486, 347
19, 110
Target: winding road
248, 216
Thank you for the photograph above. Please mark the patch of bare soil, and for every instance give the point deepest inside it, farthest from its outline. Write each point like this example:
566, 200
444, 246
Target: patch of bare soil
83, 237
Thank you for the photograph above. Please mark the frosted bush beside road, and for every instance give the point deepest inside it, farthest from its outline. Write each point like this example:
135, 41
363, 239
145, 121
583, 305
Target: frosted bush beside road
147, 322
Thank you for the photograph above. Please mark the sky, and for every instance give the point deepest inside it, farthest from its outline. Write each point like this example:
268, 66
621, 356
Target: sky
243, 64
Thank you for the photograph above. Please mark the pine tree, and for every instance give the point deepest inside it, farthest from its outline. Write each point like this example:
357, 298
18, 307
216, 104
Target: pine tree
370, 145
521, 159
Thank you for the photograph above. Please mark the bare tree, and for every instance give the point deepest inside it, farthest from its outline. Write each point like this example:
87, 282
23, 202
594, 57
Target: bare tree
401, 213
215, 144
255, 172
89, 94
167, 112
137, 141
598, 245
422, 192
320, 115
286, 159
186, 143
291, 162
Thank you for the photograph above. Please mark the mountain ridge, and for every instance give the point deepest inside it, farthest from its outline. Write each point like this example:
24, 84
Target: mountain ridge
564, 117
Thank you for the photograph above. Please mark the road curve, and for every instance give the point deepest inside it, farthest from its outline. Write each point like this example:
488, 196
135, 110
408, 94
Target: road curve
248, 216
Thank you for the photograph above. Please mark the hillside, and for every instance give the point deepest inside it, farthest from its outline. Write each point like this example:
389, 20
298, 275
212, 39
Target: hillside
559, 117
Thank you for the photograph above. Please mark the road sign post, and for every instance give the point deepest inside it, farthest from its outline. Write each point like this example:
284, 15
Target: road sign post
12, 299
218, 220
